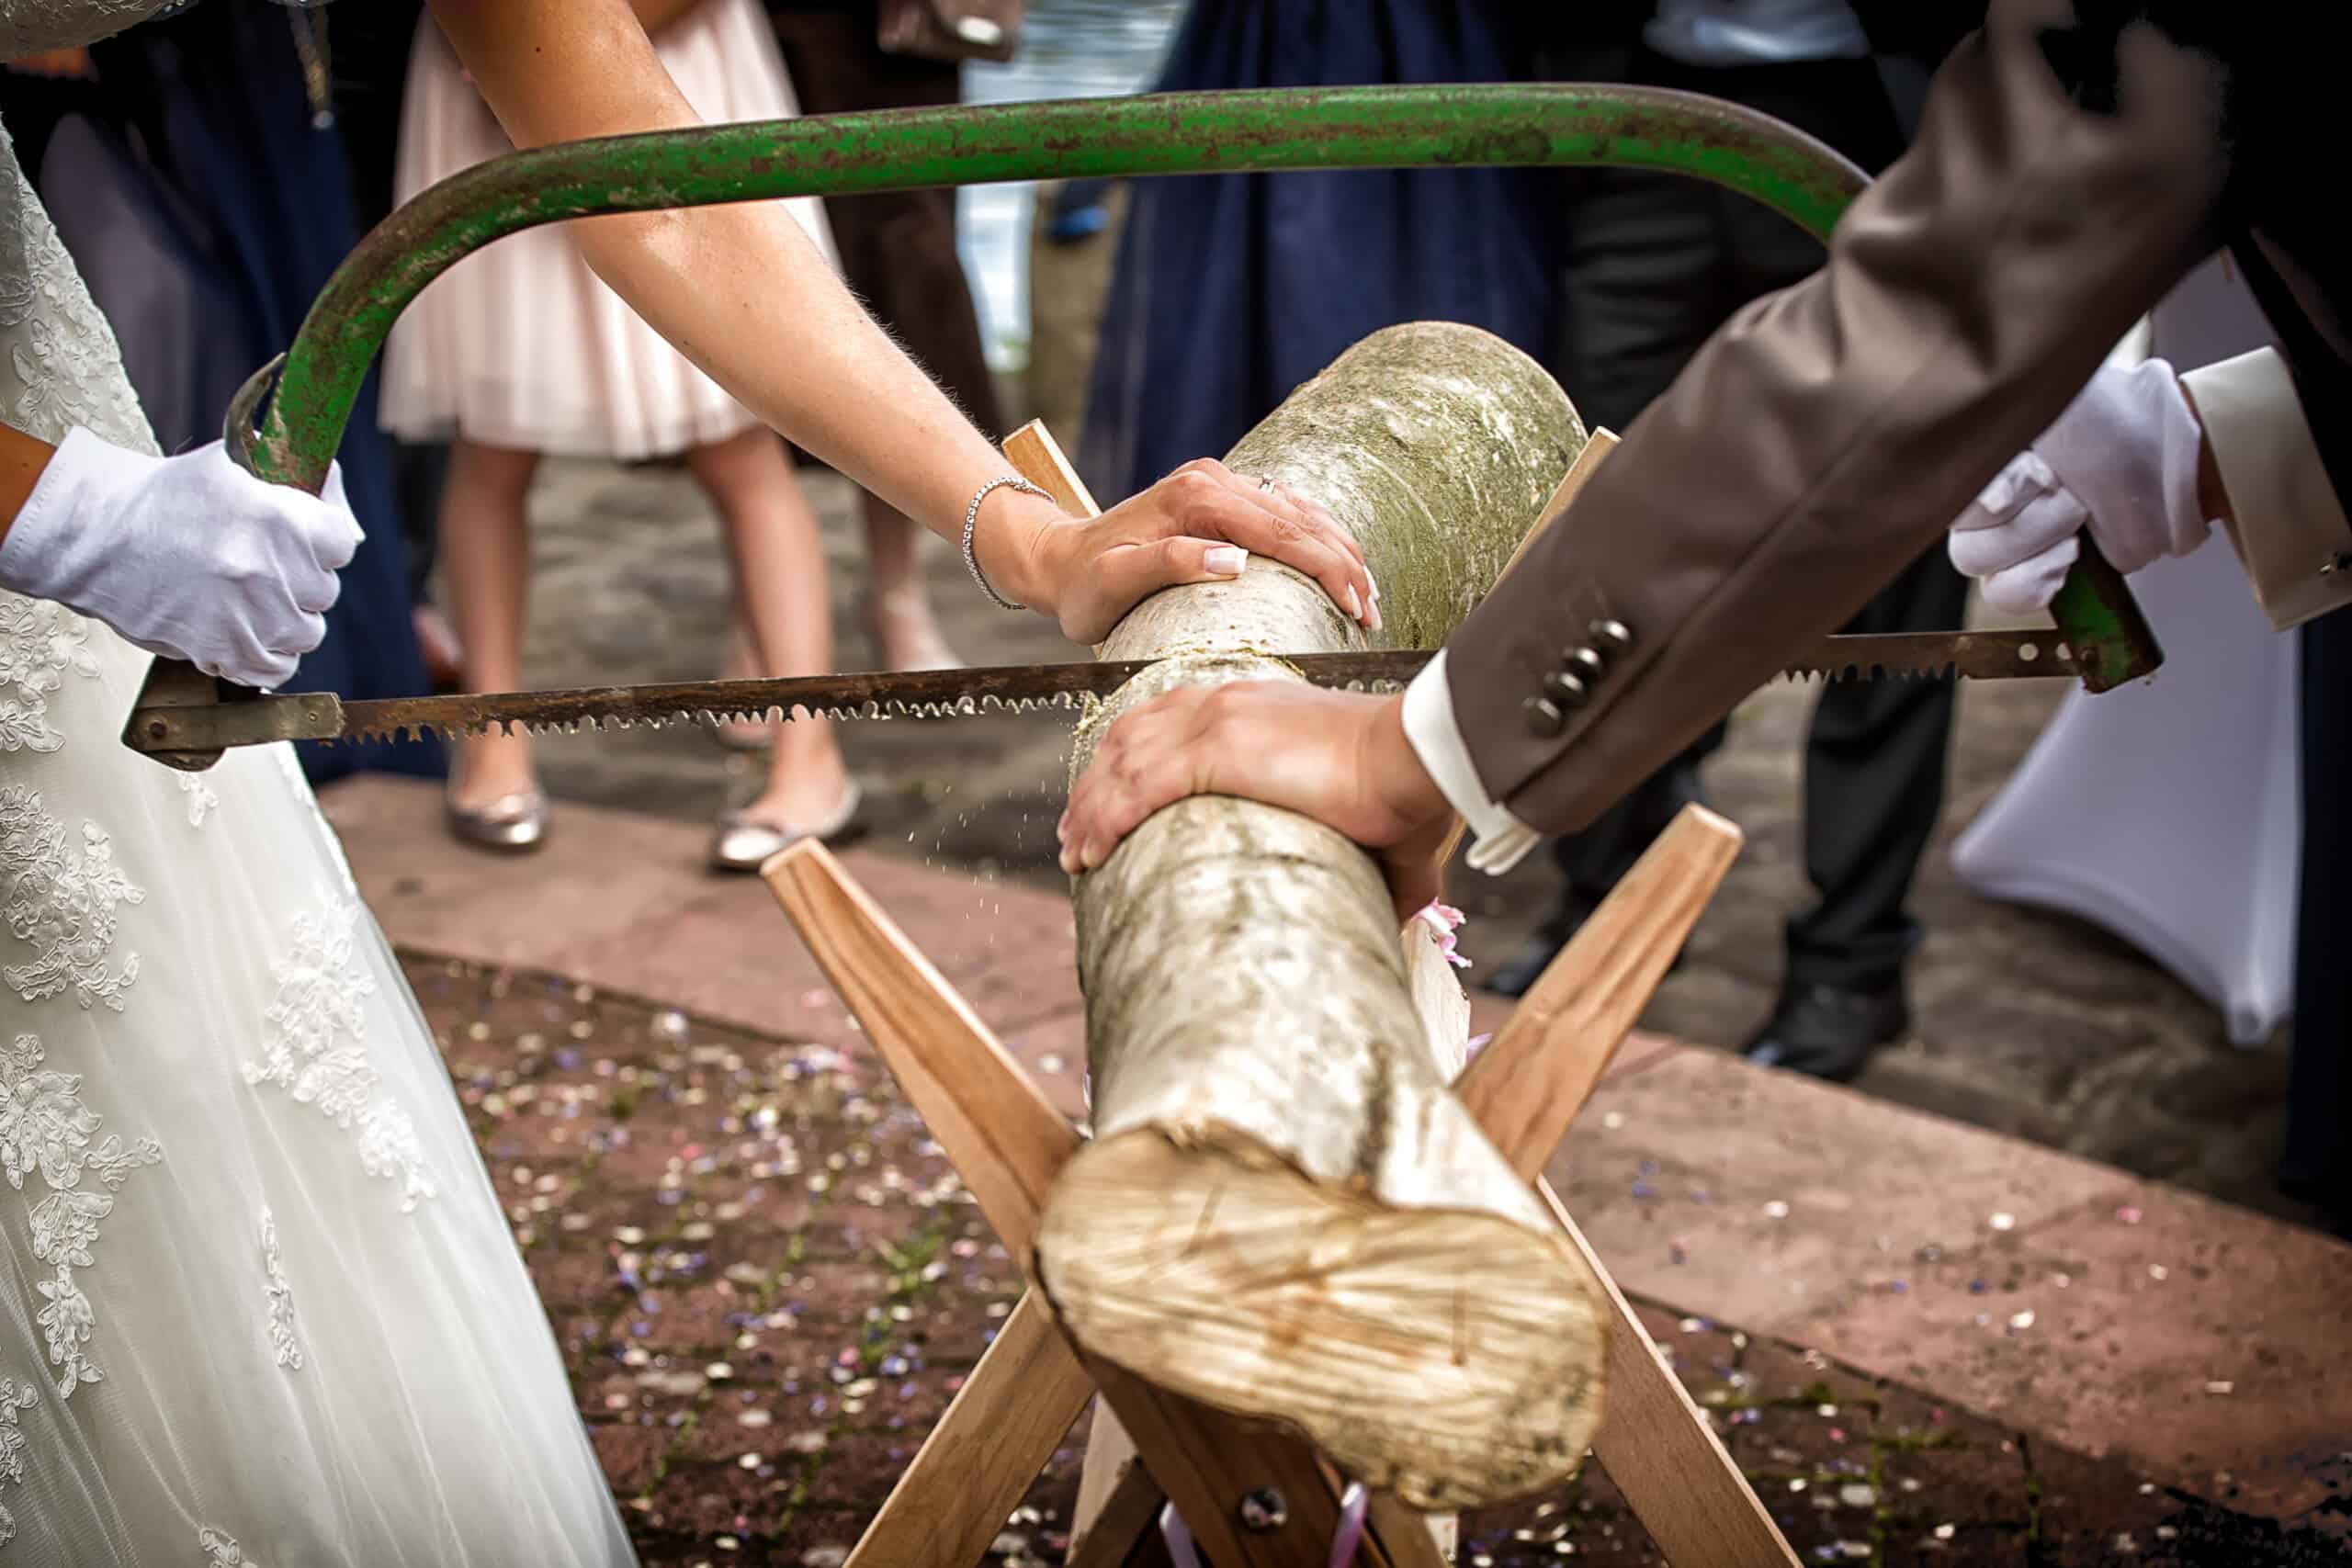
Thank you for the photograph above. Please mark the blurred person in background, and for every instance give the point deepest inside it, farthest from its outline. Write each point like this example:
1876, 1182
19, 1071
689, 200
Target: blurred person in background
1652, 265
196, 171
519, 351
1231, 289
897, 252
371, 76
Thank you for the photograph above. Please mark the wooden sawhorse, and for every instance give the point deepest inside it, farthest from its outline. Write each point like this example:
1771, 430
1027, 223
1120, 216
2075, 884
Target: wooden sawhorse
1007, 1141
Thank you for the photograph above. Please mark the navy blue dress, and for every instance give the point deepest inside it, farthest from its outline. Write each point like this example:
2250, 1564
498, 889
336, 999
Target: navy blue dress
1231, 289
261, 202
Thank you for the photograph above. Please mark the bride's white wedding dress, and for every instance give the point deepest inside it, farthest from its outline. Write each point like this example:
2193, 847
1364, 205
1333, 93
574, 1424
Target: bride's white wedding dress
257, 1301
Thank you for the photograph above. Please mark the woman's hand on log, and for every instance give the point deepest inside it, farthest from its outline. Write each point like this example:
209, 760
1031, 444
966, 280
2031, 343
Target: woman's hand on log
1339, 757
1199, 525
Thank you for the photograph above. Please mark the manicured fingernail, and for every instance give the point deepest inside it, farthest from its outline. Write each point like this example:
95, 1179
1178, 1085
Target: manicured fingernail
1374, 620
1376, 587
1061, 829
1227, 561
1355, 602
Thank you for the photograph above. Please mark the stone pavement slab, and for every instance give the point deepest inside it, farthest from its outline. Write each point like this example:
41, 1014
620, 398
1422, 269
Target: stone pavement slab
2111, 1314
626, 897
2108, 1314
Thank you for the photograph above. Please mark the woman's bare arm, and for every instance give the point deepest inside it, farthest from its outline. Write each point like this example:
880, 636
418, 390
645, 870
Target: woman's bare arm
744, 294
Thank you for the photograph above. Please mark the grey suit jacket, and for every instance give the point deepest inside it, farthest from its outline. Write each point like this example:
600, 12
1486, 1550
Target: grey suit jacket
2074, 161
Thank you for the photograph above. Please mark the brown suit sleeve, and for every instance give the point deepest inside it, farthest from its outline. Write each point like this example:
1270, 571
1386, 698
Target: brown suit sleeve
1828, 434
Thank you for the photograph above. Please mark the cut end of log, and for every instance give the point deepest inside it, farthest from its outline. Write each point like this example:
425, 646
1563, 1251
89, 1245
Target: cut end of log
1451, 1357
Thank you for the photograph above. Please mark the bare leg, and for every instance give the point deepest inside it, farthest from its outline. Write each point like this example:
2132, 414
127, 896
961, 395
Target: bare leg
486, 558
781, 584
898, 609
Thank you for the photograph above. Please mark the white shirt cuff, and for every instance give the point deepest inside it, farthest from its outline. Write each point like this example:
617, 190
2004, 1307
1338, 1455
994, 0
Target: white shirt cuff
2289, 527
1501, 839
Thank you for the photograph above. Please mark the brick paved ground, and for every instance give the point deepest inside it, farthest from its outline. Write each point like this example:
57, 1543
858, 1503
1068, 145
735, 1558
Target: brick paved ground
767, 1283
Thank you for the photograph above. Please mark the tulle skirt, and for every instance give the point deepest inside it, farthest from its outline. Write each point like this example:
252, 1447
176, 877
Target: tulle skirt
519, 344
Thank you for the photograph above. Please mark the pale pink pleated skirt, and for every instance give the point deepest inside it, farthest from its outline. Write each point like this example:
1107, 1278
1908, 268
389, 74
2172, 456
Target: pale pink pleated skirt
519, 344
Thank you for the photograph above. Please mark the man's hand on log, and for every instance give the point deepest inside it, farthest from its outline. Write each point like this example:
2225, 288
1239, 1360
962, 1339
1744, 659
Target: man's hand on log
1199, 525
1339, 757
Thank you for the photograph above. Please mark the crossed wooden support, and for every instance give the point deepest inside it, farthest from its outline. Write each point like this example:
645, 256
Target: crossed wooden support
1007, 1141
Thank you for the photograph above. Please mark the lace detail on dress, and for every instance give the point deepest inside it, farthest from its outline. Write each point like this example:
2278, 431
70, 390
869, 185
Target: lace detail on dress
318, 1049
222, 1550
46, 1130
280, 1295
29, 26
66, 366
201, 797
39, 641
13, 1445
62, 901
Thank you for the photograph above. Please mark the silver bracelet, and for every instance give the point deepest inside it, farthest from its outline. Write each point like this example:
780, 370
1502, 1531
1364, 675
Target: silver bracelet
971, 521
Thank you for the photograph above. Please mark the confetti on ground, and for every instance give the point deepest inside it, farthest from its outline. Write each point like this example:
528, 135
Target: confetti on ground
766, 1283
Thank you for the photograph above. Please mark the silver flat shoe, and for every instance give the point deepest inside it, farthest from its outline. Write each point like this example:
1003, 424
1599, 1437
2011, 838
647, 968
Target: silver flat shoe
511, 824
744, 842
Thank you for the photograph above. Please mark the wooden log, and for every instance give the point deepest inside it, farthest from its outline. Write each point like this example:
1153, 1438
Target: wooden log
1283, 1213
1007, 1141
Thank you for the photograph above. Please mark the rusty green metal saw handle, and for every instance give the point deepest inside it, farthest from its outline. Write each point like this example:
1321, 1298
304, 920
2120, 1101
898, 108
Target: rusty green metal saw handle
1179, 133
2101, 622
1559, 125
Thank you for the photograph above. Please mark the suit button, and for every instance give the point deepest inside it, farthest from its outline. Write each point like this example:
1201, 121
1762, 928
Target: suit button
1567, 692
1614, 636
1584, 664
1544, 718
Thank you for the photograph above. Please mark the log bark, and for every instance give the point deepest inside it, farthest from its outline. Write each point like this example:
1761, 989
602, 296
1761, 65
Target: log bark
1283, 1213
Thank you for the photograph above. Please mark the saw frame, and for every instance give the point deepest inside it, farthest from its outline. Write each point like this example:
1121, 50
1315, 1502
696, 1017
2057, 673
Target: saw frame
317, 381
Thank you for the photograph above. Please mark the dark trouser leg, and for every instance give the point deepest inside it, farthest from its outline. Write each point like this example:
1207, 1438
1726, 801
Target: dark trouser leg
1593, 862
418, 473
1873, 789
2318, 1161
1652, 265
1645, 278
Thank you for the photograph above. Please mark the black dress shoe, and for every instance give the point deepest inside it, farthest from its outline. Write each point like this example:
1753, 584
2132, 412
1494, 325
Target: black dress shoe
1829, 1031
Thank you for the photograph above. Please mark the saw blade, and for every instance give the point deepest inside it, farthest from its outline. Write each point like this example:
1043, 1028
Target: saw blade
1976, 656
924, 694
256, 719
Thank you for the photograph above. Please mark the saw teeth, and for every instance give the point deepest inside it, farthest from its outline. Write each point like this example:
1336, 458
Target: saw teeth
1948, 669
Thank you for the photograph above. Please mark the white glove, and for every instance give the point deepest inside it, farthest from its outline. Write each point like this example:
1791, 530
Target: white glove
189, 557
2122, 459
